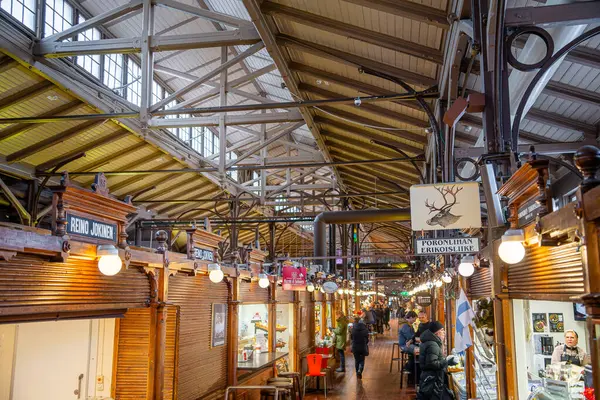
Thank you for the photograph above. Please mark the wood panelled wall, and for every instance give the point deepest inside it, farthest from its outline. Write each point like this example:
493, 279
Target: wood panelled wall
480, 284
250, 292
552, 272
202, 369
34, 285
284, 296
306, 331
133, 350
171, 353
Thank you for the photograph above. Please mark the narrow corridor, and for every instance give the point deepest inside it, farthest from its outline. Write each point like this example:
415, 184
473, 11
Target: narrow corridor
377, 381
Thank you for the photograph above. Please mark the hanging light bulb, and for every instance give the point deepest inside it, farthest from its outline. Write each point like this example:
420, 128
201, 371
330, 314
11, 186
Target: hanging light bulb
466, 267
511, 250
215, 275
310, 287
438, 283
340, 291
446, 278
263, 280
322, 290
109, 262
429, 285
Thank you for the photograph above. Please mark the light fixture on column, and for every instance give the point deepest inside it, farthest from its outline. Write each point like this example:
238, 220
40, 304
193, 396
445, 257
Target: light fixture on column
340, 291
215, 274
438, 283
263, 280
109, 262
511, 250
466, 267
310, 287
446, 278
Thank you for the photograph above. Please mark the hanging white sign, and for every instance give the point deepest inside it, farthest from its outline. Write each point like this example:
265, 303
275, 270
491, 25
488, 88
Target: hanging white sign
330, 287
464, 245
445, 206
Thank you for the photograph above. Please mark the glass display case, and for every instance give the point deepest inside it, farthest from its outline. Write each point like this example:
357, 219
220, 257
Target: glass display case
285, 321
318, 321
253, 330
329, 313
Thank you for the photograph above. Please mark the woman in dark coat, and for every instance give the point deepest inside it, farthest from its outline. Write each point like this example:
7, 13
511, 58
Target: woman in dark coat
433, 364
360, 340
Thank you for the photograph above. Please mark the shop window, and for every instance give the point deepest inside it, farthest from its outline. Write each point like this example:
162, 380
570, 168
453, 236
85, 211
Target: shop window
113, 71
252, 330
284, 328
90, 63
22, 10
58, 17
134, 82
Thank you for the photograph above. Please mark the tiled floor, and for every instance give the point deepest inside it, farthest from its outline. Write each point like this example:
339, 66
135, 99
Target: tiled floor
377, 382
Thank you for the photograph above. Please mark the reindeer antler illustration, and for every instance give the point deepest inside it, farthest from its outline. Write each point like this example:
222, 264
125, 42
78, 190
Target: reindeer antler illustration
444, 191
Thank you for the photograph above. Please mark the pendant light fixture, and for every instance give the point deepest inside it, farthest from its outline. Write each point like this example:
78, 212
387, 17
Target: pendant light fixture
511, 250
263, 280
466, 267
310, 287
109, 262
215, 273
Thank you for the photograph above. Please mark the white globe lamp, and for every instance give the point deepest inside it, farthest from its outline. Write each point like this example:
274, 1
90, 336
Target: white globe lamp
215, 274
263, 281
310, 287
511, 250
466, 267
109, 262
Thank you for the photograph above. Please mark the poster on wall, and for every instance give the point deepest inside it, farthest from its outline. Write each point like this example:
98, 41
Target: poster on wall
445, 206
557, 322
540, 322
219, 323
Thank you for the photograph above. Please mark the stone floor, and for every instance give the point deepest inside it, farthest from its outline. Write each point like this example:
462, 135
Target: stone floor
377, 381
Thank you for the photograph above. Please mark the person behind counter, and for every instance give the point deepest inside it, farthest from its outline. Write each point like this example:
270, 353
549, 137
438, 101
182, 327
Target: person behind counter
570, 352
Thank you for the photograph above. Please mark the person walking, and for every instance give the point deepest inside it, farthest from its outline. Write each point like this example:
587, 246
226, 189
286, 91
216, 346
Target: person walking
368, 317
360, 345
379, 318
341, 334
387, 313
433, 364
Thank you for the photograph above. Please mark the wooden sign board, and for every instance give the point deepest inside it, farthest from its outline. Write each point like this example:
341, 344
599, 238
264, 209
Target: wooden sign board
202, 245
89, 215
462, 245
528, 193
424, 300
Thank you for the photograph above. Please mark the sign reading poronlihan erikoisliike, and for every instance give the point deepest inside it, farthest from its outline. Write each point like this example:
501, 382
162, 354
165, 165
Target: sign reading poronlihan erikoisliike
463, 245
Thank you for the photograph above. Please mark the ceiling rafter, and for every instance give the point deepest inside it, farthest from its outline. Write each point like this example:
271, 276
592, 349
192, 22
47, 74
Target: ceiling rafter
354, 60
351, 83
353, 31
407, 9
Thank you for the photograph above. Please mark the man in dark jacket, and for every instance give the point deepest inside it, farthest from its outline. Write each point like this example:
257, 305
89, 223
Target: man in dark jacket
433, 364
387, 312
368, 317
360, 348
378, 311
423, 324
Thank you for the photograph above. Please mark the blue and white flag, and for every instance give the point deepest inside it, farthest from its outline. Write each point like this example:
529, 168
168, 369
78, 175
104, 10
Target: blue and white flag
464, 318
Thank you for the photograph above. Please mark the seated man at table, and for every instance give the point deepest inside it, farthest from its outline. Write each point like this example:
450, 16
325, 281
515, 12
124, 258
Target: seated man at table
423, 325
406, 333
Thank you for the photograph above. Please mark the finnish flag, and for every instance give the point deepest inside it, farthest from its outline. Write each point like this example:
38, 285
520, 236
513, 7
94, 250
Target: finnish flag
464, 318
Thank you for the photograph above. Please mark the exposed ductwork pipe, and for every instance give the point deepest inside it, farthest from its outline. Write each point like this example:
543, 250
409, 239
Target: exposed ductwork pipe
349, 217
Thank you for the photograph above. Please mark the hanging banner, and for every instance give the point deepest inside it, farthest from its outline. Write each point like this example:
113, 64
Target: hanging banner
293, 278
464, 245
445, 206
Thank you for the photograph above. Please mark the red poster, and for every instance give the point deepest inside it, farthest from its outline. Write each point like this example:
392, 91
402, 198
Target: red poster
294, 278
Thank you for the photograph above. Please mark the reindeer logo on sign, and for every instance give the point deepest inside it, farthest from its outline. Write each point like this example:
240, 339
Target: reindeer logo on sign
443, 215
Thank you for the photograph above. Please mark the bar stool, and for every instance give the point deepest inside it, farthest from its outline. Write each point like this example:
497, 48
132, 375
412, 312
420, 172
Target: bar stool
396, 351
284, 387
403, 360
295, 377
